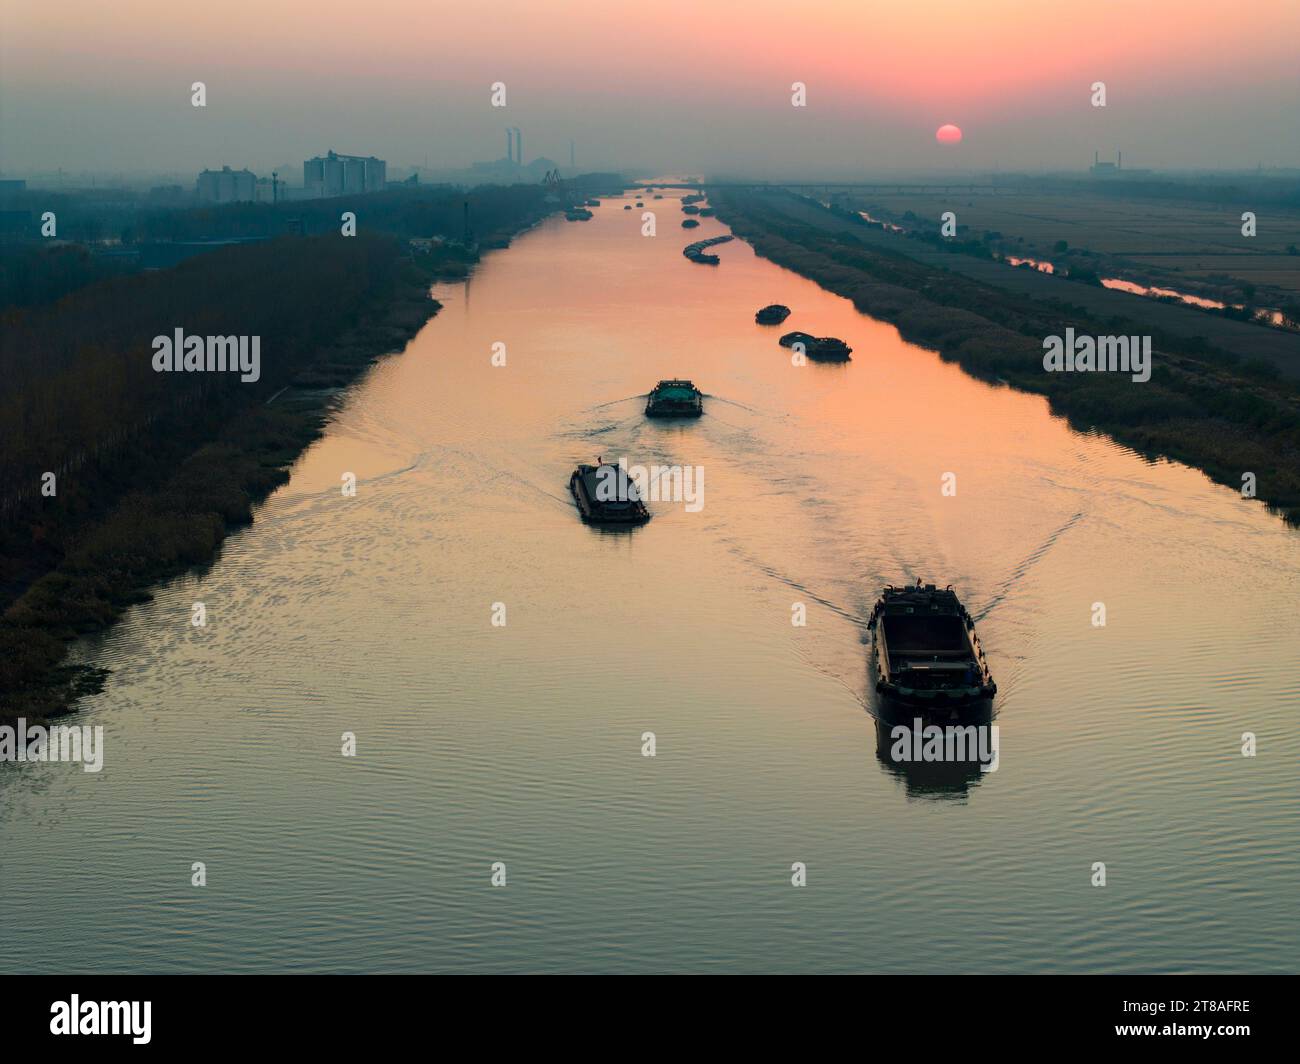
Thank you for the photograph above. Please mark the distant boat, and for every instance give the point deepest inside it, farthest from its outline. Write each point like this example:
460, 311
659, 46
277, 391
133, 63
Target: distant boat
578, 214
792, 338
829, 349
627, 207
925, 656
606, 495
690, 223
772, 314
706, 212
690, 210
695, 252
675, 398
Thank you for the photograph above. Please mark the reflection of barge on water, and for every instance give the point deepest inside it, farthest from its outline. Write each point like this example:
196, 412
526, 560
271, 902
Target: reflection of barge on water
695, 252
675, 398
925, 655
606, 495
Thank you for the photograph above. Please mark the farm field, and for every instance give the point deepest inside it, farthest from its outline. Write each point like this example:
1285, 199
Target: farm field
1161, 239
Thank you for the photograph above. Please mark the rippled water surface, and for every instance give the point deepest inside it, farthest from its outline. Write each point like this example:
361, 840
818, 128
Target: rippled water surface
522, 744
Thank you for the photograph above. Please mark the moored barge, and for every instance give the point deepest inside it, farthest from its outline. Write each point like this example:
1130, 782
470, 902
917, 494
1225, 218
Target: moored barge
925, 656
696, 253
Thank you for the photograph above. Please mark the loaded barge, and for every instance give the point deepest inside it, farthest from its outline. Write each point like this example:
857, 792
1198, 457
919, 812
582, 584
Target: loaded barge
772, 314
695, 252
675, 398
818, 348
925, 655
606, 495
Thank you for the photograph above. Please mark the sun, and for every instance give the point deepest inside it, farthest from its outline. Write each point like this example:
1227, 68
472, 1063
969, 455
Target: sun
948, 134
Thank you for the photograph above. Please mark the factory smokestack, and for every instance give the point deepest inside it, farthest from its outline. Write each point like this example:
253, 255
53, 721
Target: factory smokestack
510, 146
519, 146
1096, 156
1119, 160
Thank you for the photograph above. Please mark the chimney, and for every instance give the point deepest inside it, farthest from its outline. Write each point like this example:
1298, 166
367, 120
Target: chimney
1095, 157
519, 146
510, 145
1119, 160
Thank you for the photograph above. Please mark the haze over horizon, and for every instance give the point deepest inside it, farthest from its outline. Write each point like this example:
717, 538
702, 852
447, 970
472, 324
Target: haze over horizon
672, 85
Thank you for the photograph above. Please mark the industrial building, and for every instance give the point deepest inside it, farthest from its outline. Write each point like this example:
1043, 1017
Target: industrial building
340, 175
227, 186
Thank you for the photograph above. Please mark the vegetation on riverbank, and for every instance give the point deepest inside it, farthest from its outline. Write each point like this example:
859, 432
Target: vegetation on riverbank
152, 470
1201, 406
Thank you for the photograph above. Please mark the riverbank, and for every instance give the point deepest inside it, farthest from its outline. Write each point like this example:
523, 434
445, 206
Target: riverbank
1203, 406
163, 498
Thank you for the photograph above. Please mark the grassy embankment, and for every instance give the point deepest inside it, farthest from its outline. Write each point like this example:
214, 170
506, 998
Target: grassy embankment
153, 470
1200, 406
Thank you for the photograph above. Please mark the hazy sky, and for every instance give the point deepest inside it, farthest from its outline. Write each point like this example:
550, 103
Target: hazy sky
700, 85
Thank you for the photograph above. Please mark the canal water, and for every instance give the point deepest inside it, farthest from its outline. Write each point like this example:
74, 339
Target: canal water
522, 743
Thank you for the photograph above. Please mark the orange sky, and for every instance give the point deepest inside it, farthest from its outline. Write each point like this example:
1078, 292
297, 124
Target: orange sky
984, 64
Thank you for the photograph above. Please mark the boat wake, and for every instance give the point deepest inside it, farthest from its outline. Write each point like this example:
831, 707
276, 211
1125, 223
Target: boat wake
1018, 573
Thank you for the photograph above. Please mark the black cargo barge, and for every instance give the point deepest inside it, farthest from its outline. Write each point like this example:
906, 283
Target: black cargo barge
696, 253
606, 495
925, 656
675, 398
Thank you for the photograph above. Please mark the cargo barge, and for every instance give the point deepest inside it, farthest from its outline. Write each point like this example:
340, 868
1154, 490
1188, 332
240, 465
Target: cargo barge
829, 349
606, 495
772, 314
695, 252
925, 656
675, 398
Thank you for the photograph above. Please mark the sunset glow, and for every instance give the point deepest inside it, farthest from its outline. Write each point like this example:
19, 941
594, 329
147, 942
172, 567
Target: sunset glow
82, 80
